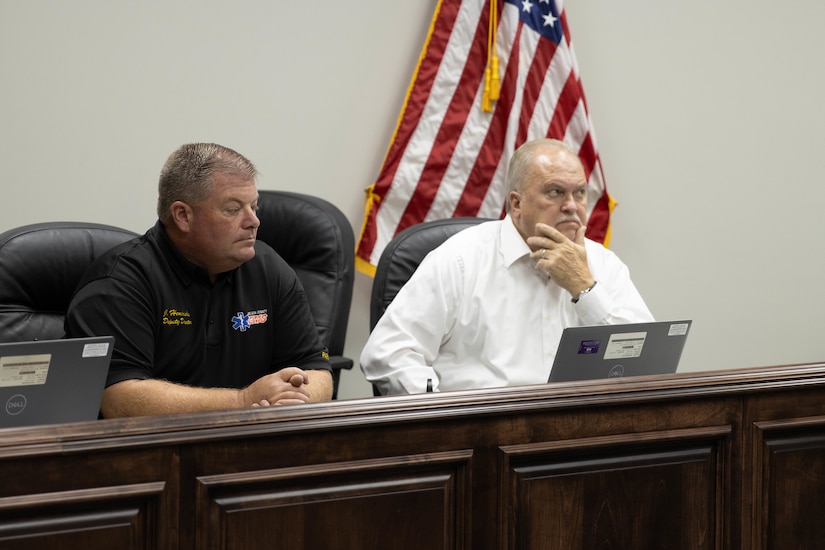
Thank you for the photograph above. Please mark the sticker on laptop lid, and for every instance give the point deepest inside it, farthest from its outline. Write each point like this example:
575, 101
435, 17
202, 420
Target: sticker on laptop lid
625, 346
588, 347
24, 370
677, 329
95, 350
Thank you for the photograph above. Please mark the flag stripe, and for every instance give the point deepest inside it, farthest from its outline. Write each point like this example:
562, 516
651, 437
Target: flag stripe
459, 108
434, 51
478, 180
471, 145
534, 84
436, 48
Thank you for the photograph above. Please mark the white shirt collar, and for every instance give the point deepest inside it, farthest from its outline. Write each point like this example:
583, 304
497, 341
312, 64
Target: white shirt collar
512, 245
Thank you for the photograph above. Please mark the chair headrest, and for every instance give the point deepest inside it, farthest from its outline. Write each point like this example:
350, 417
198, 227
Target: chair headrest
401, 256
41, 266
315, 238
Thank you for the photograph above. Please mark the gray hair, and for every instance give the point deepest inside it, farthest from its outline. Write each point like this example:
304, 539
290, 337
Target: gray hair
521, 163
187, 174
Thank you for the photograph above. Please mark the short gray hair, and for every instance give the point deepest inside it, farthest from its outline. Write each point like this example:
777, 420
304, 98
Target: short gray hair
187, 174
521, 163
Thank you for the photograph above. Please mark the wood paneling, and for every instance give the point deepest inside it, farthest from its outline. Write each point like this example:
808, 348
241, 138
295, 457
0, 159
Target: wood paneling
125, 516
662, 490
718, 460
790, 456
305, 506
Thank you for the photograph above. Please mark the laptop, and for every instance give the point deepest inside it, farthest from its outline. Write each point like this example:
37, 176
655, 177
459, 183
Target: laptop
53, 381
614, 351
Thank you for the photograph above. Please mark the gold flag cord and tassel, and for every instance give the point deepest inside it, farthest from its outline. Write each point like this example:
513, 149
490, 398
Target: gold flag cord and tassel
492, 79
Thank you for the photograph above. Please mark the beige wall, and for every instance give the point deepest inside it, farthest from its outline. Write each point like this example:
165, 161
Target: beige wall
708, 116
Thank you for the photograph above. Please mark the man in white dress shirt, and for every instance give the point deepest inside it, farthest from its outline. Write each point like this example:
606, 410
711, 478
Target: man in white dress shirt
487, 307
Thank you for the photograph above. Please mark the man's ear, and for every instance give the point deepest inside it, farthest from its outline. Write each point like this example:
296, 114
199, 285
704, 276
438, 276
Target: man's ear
181, 215
514, 197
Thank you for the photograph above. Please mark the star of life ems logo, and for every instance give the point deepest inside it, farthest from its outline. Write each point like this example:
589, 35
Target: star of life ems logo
242, 321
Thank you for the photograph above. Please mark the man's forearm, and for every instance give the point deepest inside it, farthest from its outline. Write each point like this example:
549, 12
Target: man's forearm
320, 385
146, 397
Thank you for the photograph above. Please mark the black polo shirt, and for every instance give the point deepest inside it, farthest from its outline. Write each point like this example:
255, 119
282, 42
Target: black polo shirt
170, 322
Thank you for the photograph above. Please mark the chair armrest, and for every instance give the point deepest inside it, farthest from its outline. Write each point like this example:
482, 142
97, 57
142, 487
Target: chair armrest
339, 362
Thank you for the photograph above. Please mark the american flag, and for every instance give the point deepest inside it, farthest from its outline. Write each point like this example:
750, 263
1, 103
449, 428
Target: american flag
449, 154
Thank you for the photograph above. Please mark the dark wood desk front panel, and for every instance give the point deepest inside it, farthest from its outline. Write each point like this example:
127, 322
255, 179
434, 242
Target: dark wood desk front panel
720, 460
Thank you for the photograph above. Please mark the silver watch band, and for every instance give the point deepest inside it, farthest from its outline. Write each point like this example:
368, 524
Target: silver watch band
583, 292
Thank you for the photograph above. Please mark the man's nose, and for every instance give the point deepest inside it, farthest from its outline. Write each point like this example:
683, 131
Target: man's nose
569, 203
252, 219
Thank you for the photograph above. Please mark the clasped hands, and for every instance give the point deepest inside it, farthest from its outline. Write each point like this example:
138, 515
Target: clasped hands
564, 261
287, 386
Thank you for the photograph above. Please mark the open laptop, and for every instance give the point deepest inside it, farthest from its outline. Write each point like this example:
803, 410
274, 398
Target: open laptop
53, 381
612, 351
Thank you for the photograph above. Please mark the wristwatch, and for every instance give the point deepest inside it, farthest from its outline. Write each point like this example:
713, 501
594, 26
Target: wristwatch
583, 292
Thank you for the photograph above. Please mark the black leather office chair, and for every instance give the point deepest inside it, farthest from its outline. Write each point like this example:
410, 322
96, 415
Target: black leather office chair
40, 266
316, 240
401, 257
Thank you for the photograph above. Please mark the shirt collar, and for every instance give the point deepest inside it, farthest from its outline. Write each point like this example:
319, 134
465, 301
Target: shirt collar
183, 268
512, 245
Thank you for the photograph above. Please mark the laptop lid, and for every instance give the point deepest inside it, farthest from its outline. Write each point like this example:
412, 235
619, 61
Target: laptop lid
611, 351
53, 381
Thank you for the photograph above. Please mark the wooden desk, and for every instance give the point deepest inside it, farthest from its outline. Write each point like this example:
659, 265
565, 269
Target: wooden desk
723, 460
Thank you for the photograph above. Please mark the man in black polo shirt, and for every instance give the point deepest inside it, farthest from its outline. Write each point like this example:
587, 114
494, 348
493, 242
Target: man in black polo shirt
204, 316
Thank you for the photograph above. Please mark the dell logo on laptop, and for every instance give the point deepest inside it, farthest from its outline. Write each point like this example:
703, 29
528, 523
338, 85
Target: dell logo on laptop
616, 372
15, 404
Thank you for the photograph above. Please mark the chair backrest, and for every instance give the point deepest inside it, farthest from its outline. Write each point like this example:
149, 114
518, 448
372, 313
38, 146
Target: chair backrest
317, 241
40, 266
402, 255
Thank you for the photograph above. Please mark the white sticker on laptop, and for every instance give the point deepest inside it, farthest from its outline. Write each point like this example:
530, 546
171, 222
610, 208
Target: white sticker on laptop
24, 370
625, 346
95, 350
677, 329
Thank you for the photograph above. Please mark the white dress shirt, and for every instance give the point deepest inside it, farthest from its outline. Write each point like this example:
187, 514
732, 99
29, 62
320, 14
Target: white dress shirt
477, 314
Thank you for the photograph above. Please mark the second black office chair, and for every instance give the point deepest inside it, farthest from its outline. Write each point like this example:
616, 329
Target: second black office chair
316, 240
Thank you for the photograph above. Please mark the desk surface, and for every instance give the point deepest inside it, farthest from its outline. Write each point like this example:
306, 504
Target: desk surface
180, 428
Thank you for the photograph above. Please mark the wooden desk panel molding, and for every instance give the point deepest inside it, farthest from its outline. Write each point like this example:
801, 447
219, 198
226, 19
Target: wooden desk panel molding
718, 460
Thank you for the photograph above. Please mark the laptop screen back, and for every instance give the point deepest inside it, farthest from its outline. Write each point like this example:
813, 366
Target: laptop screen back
53, 381
610, 351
